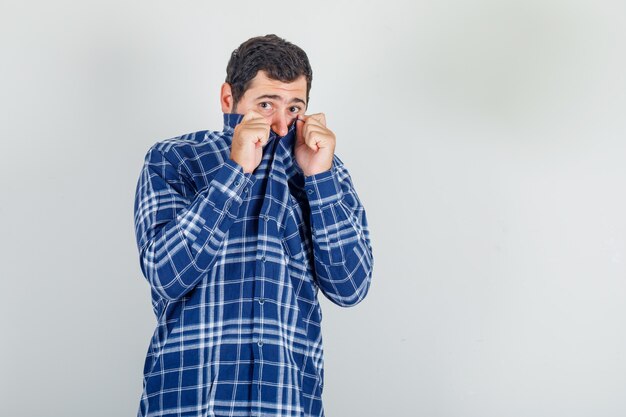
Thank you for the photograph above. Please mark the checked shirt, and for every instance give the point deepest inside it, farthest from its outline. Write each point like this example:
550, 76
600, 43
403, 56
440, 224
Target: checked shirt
235, 262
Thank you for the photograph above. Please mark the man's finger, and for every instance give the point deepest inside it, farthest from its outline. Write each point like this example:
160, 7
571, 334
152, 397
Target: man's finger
320, 117
252, 115
312, 140
300, 124
315, 122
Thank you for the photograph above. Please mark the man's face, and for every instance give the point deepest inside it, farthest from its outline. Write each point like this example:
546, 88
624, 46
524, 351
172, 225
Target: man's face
277, 101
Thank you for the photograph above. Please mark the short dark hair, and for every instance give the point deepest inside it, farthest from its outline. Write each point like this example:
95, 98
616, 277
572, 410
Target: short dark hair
281, 60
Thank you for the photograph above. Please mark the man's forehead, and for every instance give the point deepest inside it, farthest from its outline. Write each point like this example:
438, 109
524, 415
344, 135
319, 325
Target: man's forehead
264, 87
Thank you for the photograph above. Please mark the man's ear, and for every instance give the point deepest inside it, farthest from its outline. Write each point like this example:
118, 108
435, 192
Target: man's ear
226, 98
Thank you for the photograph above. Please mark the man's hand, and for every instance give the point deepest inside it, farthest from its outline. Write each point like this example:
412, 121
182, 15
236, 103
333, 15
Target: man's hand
315, 144
249, 137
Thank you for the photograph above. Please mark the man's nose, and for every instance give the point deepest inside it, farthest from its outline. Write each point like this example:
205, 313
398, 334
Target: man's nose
280, 125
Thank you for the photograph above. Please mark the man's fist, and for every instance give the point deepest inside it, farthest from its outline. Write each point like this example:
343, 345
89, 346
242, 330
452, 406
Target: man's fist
249, 138
315, 144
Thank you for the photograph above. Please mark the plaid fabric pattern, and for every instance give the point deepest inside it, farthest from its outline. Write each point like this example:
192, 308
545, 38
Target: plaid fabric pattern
235, 262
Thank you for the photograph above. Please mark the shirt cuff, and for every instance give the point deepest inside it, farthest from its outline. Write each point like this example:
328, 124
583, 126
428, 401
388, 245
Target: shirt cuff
232, 184
322, 188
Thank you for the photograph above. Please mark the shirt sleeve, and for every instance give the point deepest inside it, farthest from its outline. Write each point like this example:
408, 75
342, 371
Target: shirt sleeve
178, 237
341, 243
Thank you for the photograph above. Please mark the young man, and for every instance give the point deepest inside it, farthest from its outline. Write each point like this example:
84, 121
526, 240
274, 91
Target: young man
237, 230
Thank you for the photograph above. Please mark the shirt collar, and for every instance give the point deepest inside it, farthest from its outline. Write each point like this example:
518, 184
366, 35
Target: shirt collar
284, 149
231, 120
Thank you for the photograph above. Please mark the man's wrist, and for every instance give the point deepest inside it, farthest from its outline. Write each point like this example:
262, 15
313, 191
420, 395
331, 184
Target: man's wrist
319, 171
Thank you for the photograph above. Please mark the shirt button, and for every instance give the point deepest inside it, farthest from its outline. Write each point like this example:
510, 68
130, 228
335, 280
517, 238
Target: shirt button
260, 342
245, 190
237, 183
310, 191
261, 300
263, 258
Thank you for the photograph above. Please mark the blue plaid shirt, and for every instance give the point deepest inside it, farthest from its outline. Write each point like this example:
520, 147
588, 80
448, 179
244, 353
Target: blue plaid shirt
234, 262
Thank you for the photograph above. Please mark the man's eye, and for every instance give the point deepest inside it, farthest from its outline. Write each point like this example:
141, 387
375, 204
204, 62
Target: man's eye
265, 105
295, 109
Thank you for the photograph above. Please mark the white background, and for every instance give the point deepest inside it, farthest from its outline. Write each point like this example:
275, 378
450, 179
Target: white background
486, 140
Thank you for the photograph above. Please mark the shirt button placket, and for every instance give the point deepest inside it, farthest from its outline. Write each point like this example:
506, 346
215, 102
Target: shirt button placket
260, 299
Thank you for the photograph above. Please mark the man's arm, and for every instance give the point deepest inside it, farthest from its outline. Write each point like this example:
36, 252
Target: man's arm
178, 238
341, 243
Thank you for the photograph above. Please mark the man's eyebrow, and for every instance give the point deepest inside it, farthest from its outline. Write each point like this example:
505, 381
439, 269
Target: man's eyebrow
277, 97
